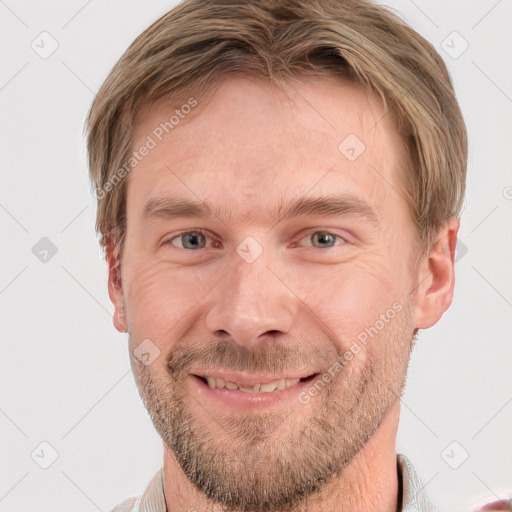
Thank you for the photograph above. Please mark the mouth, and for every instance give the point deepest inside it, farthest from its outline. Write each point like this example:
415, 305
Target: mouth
245, 391
247, 385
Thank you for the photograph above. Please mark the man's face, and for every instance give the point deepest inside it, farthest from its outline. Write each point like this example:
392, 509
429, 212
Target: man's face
251, 295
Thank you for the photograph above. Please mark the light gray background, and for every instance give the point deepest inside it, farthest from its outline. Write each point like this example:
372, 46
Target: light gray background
64, 369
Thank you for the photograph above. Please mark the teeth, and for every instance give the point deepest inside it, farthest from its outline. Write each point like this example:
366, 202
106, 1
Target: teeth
258, 388
267, 388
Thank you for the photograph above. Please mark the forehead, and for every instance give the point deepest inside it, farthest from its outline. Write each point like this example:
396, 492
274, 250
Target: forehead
252, 144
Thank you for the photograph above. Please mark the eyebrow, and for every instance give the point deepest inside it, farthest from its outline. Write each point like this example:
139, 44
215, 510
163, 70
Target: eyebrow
320, 206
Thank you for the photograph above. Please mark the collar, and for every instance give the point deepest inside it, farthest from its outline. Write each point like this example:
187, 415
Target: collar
411, 493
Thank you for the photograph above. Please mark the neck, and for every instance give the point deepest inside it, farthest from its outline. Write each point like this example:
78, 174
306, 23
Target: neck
369, 483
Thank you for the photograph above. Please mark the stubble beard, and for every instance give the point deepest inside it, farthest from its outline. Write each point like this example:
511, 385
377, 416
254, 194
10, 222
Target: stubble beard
275, 461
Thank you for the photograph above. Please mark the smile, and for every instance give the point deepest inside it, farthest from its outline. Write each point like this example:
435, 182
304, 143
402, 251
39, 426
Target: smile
245, 390
257, 388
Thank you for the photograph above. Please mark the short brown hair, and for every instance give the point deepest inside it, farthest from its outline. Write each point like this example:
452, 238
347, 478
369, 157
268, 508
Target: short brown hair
200, 42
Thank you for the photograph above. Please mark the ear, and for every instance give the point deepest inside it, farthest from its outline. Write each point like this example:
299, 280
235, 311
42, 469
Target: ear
115, 287
436, 277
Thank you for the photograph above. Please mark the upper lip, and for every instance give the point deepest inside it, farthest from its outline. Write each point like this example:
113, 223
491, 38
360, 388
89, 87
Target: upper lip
247, 379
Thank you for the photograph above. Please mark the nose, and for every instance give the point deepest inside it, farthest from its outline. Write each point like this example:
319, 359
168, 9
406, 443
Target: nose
251, 303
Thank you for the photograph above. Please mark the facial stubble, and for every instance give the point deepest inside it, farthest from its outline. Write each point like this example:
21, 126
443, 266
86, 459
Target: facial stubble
275, 461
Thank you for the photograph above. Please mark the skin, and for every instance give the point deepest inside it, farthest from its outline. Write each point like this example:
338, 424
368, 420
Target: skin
297, 307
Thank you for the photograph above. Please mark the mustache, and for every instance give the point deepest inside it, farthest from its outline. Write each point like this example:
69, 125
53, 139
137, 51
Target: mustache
271, 357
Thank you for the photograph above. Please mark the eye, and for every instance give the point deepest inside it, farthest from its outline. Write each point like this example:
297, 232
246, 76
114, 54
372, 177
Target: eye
188, 240
197, 239
324, 239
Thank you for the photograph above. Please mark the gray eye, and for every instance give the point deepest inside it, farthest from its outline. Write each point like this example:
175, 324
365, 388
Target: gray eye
190, 240
324, 238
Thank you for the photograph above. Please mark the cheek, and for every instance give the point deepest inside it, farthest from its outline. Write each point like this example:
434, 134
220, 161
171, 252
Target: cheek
350, 297
157, 299
164, 301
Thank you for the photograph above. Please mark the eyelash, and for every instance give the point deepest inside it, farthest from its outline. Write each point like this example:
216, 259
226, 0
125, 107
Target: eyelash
195, 231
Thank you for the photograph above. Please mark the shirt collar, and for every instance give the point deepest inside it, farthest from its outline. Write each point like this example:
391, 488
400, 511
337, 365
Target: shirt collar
411, 491
410, 488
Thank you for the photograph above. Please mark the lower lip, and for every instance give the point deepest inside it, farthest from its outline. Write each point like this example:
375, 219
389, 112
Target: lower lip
245, 400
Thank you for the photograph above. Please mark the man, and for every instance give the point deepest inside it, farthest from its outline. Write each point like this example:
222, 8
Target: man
279, 190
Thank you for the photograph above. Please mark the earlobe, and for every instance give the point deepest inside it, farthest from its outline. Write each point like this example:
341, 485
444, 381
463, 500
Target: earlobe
436, 277
115, 288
